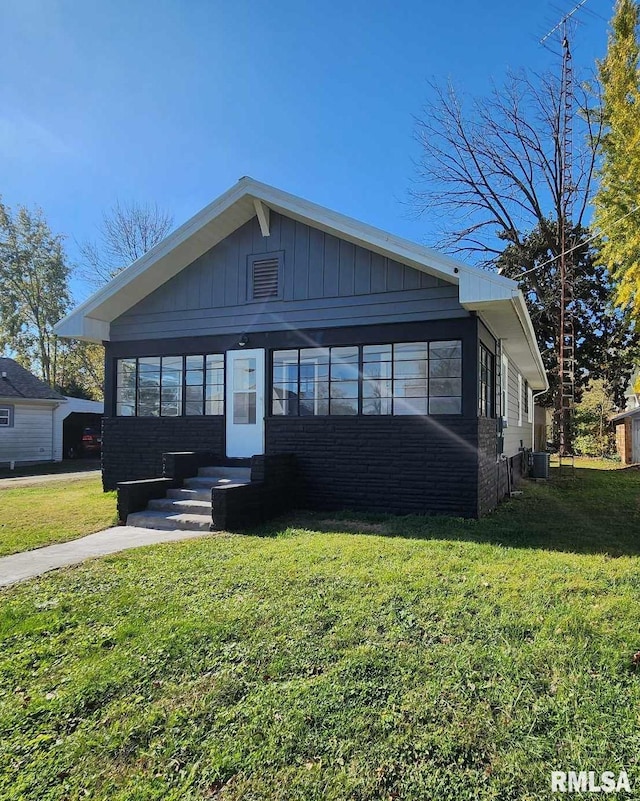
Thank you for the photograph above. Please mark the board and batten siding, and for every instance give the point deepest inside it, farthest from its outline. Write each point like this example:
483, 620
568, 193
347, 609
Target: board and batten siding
515, 435
327, 282
30, 438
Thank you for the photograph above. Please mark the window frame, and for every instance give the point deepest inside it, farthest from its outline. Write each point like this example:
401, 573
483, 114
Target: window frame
504, 388
251, 260
182, 385
361, 380
486, 389
520, 403
10, 416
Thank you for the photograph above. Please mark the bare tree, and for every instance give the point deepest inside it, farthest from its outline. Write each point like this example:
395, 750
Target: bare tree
492, 170
126, 233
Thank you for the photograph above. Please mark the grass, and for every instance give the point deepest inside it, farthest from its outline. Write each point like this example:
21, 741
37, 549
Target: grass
591, 463
335, 658
57, 512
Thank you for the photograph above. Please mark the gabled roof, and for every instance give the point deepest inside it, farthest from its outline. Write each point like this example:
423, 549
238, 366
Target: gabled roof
496, 298
20, 383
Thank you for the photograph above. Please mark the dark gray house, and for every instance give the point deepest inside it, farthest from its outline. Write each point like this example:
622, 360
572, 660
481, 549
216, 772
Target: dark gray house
402, 380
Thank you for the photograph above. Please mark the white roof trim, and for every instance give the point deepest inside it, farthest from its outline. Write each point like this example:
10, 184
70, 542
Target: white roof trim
478, 289
12, 400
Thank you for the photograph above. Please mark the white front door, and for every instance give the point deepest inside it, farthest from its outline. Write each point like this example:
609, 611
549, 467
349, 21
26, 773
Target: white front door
245, 402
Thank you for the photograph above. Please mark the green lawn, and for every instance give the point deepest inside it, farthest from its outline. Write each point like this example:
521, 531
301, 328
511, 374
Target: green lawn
336, 658
41, 515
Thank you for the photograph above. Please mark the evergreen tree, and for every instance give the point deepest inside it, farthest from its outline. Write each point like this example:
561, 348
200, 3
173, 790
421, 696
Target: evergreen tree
606, 345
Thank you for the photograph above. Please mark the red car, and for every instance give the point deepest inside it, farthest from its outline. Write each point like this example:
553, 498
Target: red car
91, 441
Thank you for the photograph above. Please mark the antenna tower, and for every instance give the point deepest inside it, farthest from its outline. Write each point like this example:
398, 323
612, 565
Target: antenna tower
565, 405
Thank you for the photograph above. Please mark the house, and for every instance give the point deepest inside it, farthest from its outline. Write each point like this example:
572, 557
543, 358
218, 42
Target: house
34, 418
267, 324
627, 428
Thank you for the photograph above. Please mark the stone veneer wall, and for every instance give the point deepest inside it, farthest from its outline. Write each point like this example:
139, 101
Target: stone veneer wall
493, 475
488, 468
404, 465
382, 464
132, 447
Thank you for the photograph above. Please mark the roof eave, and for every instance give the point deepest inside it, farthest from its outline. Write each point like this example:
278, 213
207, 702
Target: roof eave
492, 301
477, 288
12, 399
211, 225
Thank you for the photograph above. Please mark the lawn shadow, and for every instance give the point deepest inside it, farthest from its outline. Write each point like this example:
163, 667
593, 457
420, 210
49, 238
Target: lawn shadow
83, 465
595, 512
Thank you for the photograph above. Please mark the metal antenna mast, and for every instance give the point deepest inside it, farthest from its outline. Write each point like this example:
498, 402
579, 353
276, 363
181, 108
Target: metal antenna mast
566, 331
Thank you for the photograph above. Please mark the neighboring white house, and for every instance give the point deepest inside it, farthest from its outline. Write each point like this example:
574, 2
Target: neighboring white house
32, 416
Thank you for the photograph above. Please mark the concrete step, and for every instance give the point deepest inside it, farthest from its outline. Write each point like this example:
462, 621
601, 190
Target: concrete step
237, 473
190, 494
170, 522
207, 482
181, 505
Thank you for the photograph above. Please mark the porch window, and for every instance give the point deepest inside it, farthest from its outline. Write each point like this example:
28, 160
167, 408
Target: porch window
486, 383
170, 386
409, 378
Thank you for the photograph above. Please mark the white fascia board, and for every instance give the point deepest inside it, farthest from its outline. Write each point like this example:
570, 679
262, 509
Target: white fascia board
103, 305
78, 326
395, 247
480, 286
33, 401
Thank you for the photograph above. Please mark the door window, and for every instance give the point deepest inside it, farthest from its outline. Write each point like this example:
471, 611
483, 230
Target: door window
244, 391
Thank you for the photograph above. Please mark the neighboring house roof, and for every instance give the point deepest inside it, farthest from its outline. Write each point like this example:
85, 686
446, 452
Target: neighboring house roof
83, 405
632, 398
20, 383
622, 415
497, 299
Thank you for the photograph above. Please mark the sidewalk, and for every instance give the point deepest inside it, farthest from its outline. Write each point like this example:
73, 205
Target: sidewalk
25, 565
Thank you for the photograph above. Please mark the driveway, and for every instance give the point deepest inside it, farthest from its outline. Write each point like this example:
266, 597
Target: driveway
25, 565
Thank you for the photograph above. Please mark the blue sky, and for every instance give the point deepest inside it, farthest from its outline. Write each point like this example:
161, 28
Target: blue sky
172, 101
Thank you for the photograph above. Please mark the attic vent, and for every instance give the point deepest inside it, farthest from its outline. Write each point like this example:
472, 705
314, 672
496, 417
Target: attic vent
265, 278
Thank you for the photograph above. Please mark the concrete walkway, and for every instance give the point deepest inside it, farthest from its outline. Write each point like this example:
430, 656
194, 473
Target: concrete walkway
25, 565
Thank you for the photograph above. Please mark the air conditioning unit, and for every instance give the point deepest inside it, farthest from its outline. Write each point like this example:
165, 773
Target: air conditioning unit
539, 464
